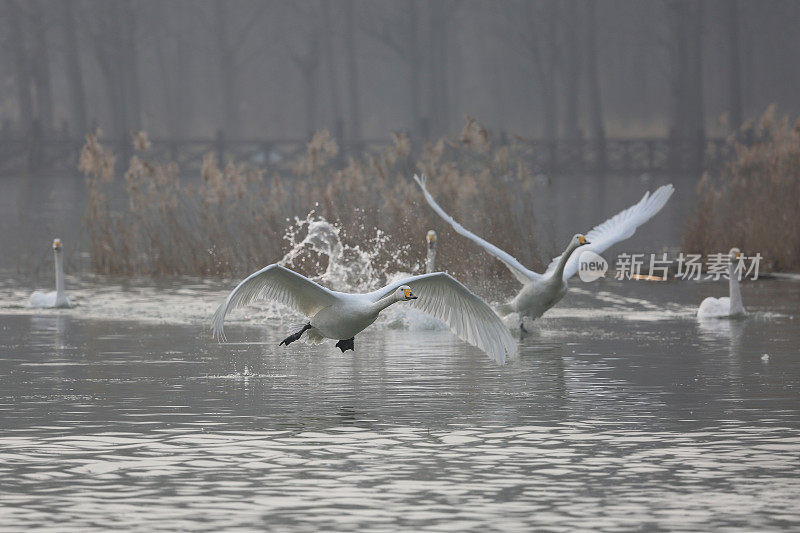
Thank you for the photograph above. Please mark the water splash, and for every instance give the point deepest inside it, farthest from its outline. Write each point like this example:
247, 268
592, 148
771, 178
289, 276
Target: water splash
344, 267
362, 267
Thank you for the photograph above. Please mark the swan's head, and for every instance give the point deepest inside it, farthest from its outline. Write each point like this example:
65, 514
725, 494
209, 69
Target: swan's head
735, 254
579, 240
431, 238
404, 293
57, 245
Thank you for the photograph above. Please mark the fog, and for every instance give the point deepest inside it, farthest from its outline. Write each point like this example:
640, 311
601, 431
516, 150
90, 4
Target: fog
280, 70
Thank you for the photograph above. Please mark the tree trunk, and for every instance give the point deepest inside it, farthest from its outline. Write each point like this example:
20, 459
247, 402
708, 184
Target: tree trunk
130, 68
73, 65
437, 92
21, 64
228, 72
571, 71
333, 81
734, 65
593, 85
415, 66
309, 67
352, 71
41, 69
310, 80
687, 110
549, 88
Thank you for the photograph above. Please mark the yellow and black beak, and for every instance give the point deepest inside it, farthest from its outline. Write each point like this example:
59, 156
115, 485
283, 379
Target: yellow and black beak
409, 295
582, 240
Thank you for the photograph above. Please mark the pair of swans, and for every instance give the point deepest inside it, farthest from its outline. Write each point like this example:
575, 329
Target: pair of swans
58, 297
540, 292
340, 316
730, 306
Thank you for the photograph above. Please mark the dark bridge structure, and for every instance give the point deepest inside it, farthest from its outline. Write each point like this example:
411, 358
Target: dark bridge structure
57, 153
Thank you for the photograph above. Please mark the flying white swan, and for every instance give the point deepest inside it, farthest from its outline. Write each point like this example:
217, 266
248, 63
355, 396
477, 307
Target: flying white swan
340, 316
540, 292
55, 298
430, 260
728, 306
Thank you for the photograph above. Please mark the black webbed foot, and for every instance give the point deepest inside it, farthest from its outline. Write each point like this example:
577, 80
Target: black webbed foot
294, 336
346, 344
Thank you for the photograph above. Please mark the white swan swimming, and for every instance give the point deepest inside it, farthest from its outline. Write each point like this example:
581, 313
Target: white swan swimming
55, 298
430, 260
340, 316
540, 292
730, 306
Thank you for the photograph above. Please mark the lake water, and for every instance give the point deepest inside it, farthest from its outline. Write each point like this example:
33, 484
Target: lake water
621, 412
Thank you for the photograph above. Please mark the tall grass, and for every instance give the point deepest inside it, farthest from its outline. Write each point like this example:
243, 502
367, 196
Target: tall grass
754, 203
234, 219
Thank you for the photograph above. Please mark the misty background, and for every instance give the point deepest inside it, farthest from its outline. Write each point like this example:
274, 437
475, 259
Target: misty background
273, 69
581, 107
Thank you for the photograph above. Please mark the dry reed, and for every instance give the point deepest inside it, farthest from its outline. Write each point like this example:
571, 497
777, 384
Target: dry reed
754, 204
233, 221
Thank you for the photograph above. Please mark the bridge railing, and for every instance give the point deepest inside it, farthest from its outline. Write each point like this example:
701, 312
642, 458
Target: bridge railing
23, 154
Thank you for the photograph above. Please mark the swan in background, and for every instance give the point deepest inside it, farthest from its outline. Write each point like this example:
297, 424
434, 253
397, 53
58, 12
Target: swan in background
430, 260
55, 298
540, 292
340, 316
730, 306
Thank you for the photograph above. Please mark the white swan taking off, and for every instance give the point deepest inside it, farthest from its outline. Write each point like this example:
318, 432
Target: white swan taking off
540, 292
430, 260
728, 306
340, 316
55, 298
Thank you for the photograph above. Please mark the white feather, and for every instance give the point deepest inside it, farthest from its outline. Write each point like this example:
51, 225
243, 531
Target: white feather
540, 292
339, 315
617, 228
520, 272
468, 317
279, 284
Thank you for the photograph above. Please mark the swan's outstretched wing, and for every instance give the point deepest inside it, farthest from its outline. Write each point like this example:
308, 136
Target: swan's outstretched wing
443, 297
520, 272
274, 283
617, 228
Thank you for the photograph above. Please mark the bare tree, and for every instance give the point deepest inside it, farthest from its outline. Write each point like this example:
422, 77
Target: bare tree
305, 55
352, 70
734, 64
440, 15
74, 71
571, 59
230, 40
41, 65
112, 29
399, 32
16, 43
593, 89
532, 29
332, 78
685, 18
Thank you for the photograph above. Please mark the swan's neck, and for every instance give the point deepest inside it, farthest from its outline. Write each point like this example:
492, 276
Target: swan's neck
737, 307
59, 276
383, 303
430, 261
558, 273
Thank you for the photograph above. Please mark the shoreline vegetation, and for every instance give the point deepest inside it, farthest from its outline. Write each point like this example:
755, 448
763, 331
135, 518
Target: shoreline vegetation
754, 202
235, 219
148, 222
